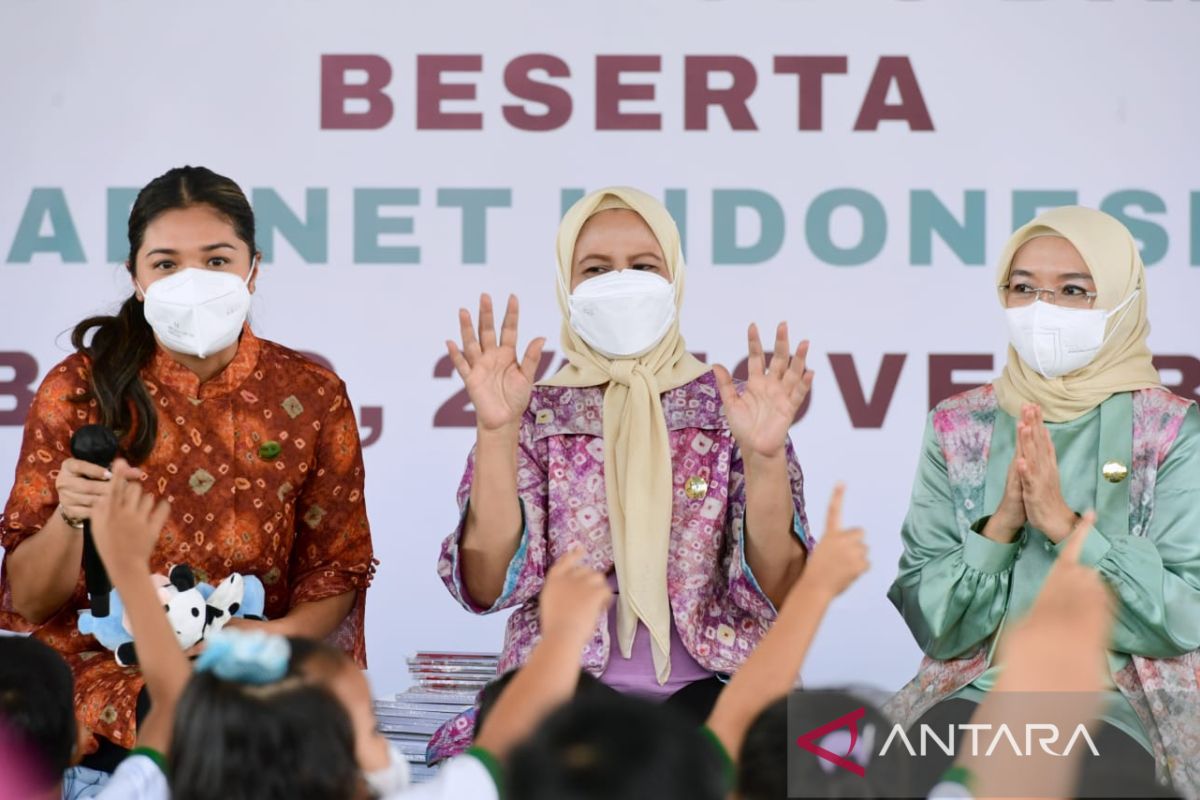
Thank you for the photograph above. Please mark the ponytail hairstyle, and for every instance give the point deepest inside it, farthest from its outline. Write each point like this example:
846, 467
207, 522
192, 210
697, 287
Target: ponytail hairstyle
122, 344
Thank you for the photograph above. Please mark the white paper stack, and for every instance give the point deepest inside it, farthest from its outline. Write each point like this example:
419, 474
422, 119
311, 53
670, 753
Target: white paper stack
444, 684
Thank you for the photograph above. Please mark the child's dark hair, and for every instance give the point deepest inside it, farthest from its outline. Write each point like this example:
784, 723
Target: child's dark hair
235, 741
762, 764
124, 342
37, 706
588, 686
616, 747
763, 761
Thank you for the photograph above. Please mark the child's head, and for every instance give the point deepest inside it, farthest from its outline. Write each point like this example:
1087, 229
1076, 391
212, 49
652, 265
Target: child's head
614, 747
588, 686
264, 729
37, 713
763, 761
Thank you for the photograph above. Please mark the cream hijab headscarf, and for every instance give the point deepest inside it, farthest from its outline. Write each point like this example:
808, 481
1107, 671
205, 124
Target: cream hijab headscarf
637, 457
1124, 362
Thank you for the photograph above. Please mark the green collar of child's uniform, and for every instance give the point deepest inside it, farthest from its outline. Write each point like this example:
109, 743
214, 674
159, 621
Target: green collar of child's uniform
158, 758
728, 768
491, 764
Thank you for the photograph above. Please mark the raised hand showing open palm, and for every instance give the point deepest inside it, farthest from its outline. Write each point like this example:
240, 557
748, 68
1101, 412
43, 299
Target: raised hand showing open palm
761, 415
499, 386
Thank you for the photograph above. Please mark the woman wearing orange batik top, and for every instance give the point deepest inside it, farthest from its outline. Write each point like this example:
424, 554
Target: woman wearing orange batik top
254, 445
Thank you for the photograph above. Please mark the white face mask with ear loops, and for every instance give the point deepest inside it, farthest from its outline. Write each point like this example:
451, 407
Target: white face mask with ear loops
623, 313
198, 311
1055, 341
392, 779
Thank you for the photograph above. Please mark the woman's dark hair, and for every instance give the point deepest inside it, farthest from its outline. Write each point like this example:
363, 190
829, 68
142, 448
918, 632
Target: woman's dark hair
232, 741
123, 343
608, 747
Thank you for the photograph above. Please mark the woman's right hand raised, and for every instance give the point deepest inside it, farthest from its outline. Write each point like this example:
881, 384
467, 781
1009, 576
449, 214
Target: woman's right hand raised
80, 484
499, 386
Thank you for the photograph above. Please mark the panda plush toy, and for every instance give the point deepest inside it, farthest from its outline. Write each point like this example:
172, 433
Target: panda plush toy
194, 609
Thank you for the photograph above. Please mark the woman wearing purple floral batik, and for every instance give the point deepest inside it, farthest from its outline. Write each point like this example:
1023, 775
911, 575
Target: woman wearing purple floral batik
679, 485
1078, 420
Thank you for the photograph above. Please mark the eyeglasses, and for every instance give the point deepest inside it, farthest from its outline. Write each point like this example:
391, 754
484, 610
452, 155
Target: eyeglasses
1068, 296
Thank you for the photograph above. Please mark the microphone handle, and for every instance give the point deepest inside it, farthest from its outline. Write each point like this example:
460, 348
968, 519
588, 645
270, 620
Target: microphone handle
95, 576
98, 445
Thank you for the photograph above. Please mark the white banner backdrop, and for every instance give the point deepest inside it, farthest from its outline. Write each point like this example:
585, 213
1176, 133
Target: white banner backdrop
856, 172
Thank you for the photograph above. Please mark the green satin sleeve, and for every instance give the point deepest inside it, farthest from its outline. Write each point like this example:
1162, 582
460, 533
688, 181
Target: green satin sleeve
953, 584
1157, 576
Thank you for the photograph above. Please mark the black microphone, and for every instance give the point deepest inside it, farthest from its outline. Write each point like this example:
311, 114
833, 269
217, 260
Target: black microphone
94, 444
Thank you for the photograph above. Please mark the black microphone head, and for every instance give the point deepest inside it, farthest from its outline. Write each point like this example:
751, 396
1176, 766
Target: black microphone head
94, 444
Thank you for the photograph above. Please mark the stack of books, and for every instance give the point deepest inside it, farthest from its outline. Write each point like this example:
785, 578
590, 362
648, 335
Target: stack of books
444, 684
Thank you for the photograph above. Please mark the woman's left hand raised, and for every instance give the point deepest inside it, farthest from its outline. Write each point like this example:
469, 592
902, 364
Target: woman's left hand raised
762, 414
1041, 485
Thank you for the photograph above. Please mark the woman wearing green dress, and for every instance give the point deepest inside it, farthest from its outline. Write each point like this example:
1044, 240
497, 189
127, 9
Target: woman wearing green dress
1077, 420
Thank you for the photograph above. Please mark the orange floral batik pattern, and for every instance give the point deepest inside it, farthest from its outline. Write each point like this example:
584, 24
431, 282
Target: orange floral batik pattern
263, 468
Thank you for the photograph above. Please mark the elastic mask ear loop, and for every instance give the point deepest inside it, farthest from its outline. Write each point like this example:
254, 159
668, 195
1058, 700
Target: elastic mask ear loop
1124, 309
563, 285
672, 276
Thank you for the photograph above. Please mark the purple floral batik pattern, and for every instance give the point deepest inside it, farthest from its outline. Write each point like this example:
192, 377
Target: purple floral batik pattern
719, 609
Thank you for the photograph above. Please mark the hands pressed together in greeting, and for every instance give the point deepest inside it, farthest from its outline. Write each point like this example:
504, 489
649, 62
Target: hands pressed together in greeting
1033, 490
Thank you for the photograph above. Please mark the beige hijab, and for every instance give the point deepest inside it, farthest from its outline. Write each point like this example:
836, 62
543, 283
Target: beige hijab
1124, 362
637, 457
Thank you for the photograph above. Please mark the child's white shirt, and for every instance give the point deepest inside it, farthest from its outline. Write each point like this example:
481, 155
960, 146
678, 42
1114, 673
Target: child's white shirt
461, 778
136, 778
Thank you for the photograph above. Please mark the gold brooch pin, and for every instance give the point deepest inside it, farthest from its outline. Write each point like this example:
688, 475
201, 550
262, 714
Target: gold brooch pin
696, 487
1114, 471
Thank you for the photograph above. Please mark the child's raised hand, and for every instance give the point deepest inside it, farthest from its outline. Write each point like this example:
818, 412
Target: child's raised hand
841, 555
1074, 597
126, 522
1071, 618
573, 599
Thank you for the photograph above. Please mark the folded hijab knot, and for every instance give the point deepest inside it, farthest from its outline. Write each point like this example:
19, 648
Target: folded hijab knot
622, 371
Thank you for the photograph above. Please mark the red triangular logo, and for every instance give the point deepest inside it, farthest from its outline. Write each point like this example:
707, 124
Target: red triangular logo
809, 740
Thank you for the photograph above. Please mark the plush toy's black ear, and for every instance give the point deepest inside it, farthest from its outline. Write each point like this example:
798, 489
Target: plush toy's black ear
212, 613
182, 577
127, 655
